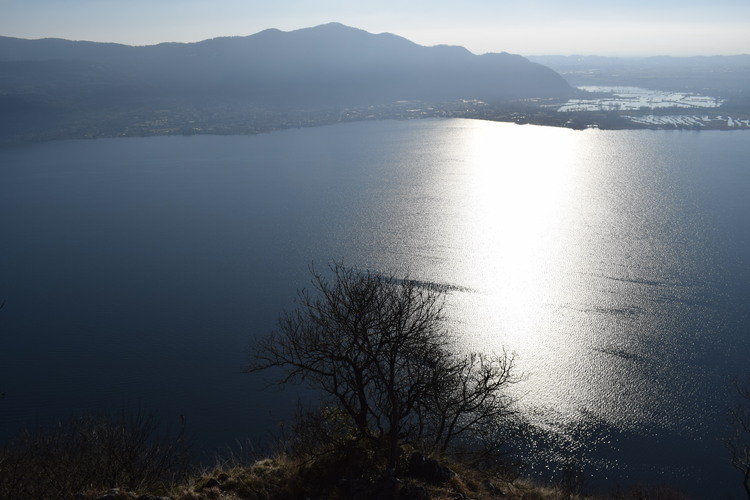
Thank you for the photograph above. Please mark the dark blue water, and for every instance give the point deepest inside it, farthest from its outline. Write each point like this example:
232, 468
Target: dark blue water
615, 264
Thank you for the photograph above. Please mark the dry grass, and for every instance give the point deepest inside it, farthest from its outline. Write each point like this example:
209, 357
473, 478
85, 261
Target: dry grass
90, 453
325, 478
90, 458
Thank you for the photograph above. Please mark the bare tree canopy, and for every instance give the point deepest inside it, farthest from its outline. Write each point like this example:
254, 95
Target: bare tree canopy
378, 348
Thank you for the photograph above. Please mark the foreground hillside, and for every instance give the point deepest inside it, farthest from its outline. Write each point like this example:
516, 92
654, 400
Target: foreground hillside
351, 474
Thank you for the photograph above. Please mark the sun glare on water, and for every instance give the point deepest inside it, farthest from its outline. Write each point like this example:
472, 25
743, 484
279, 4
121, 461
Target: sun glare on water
528, 230
515, 219
560, 246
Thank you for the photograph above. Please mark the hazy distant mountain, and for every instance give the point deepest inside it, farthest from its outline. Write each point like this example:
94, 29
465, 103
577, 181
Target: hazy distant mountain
322, 66
728, 76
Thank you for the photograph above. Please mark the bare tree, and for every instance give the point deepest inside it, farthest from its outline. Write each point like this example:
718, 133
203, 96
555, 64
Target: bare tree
378, 348
470, 398
739, 441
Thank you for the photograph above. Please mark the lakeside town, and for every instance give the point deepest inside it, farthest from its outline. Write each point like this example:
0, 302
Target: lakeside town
607, 108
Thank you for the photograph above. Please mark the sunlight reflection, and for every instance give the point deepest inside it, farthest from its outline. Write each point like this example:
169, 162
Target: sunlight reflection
559, 246
515, 219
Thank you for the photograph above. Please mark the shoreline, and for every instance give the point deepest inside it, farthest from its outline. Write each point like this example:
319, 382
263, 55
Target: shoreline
255, 122
573, 121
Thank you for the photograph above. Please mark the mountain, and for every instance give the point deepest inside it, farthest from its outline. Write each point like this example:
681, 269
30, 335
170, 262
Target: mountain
323, 67
328, 64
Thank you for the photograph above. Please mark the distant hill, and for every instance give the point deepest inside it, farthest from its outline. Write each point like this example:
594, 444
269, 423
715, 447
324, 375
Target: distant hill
322, 67
728, 76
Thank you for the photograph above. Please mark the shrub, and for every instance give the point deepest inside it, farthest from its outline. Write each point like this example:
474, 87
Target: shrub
92, 452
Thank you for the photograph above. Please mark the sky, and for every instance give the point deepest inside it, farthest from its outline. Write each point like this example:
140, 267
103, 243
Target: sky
527, 27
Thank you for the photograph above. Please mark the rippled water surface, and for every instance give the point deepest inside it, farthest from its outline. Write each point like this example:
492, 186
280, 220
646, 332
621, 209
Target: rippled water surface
614, 264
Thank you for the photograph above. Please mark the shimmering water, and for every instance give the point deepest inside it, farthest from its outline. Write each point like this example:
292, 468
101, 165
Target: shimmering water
615, 264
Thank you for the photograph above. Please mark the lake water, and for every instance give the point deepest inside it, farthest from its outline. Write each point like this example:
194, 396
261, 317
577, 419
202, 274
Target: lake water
616, 264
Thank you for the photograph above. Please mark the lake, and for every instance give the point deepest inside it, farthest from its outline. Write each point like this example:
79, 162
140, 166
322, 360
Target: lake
615, 264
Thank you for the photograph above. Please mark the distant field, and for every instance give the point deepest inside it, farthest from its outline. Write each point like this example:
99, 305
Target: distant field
635, 98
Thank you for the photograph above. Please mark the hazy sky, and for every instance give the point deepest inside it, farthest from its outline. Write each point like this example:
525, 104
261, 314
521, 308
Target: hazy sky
529, 27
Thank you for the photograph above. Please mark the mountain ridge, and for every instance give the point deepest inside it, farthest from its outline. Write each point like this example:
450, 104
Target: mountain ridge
332, 55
